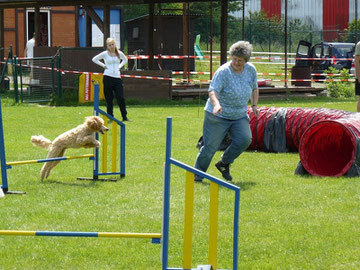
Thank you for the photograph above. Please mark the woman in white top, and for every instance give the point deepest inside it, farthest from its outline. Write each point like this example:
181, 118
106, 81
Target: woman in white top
113, 60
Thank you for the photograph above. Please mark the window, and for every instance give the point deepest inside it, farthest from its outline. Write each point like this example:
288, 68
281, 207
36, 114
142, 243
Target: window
317, 51
135, 33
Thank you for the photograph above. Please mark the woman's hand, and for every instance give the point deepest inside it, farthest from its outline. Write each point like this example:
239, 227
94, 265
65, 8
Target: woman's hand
255, 110
217, 109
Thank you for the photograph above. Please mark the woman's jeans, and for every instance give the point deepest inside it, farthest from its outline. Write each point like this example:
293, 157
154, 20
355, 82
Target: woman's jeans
214, 130
114, 87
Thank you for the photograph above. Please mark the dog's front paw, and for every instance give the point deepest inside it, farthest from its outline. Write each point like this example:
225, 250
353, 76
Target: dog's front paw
97, 144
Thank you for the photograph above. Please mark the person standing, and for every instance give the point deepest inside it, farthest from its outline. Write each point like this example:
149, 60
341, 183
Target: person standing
29, 53
233, 85
357, 73
29, 48
112, 61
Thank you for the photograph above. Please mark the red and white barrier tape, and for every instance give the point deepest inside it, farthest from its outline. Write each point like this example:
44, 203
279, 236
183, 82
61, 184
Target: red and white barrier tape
194, 80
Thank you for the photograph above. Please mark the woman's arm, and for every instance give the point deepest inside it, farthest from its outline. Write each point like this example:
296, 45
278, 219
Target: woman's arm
215, 102
96, 59
123, 58
254, 101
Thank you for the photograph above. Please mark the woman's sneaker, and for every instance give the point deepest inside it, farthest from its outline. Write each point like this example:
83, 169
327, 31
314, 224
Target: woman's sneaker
224, 169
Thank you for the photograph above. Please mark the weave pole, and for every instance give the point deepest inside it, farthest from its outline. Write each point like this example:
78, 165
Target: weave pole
189, 210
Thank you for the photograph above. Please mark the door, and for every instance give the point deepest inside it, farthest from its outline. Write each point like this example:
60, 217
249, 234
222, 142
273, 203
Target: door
44, 26
303, 51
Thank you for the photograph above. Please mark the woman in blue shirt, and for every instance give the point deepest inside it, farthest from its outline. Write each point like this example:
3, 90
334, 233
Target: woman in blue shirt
233, 85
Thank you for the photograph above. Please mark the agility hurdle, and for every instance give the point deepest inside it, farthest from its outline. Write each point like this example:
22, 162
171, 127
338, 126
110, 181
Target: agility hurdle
189, 210
115, 124
94, 157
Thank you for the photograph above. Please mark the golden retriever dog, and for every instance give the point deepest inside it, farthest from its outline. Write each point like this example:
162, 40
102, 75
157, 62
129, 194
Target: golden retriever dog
81, 136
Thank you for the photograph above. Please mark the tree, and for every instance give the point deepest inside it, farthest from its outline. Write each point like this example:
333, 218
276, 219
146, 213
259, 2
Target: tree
350, 35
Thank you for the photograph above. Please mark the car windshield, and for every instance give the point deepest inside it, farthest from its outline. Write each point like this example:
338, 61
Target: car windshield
343, 51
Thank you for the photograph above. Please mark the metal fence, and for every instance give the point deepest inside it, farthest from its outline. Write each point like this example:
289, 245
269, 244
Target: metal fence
268, 35
34, 79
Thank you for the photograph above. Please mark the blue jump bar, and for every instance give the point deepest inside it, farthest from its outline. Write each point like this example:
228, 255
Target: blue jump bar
204, 175
110, 117
69, 234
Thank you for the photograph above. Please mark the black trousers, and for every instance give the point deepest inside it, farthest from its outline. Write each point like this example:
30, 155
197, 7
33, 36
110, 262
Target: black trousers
357, 87
114, 87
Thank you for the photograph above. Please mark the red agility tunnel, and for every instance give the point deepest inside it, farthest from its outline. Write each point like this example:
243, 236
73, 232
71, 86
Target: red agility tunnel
327, 139
280, 129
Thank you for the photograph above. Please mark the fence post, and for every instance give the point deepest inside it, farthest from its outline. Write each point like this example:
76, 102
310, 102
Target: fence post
269, 39
58, 66
21, 82
52, 75
250, 31
16, 88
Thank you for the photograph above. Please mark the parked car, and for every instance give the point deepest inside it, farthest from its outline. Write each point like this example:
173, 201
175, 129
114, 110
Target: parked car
324, 49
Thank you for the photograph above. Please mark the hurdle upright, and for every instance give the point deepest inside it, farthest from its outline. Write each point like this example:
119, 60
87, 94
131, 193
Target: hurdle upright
189, 210
4, 183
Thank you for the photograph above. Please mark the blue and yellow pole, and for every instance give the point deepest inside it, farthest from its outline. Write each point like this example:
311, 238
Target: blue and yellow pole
154, 236
4, 183
236, 228
166, 202
13, 163
96, 150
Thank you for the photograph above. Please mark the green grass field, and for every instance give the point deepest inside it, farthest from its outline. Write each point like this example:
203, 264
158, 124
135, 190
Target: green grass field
286, 221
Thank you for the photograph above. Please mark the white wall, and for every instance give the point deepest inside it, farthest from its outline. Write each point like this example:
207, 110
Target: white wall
308, 11
352, 10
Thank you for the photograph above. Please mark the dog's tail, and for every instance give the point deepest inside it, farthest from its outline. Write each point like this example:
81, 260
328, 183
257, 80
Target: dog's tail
41, 141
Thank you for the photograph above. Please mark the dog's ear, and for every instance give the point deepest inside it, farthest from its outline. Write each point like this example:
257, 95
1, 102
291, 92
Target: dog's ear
94, 122
91, 122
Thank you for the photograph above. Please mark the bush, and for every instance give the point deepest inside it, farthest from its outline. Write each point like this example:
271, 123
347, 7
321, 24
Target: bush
339, 86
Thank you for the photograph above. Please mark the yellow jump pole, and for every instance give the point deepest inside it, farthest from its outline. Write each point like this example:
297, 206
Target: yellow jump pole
114, 147
104, 147
213, 227
13, 163
188, 223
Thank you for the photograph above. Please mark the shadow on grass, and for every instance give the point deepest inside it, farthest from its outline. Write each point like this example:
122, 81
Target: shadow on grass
77, 184
242, 185
245, 185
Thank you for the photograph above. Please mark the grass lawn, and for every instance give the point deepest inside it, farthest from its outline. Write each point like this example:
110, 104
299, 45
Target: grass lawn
286, 221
